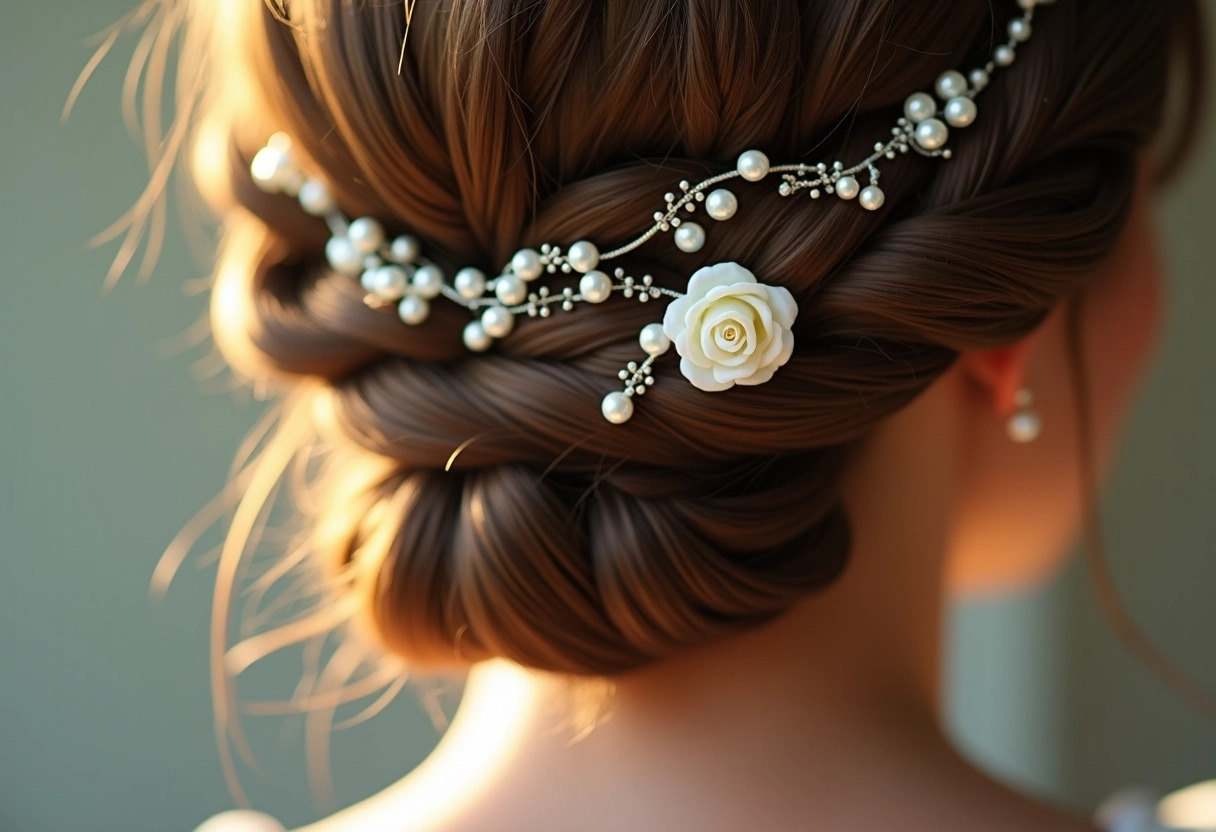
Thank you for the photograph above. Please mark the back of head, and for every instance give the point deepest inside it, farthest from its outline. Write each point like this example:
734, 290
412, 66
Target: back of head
477, 505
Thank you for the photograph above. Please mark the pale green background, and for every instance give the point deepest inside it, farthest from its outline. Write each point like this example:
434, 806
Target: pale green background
108, 442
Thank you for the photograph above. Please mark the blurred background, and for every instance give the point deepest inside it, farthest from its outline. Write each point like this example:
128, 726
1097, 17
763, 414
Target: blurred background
114, 429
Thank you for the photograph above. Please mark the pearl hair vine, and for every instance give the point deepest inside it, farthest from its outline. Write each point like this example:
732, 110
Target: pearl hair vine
726, 326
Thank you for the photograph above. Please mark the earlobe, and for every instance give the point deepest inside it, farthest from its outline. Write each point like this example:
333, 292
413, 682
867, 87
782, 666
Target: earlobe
1000, 373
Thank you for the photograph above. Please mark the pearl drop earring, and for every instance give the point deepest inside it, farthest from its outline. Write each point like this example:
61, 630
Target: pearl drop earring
1025, 424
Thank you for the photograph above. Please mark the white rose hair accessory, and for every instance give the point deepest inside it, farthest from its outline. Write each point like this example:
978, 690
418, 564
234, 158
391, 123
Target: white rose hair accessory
728, 326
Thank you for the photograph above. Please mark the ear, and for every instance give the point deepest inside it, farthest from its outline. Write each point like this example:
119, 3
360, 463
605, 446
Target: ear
1000, 373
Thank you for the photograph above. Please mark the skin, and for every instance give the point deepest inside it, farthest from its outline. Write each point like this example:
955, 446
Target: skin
992, 547
828, 718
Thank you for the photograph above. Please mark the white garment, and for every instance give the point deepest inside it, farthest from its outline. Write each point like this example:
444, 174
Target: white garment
1138, 810
1133, 810
240, 820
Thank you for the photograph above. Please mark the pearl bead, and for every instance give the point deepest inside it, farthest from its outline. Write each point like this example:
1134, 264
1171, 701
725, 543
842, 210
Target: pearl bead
690, 237
847, 187
316, 199
470, 283
932, 134
1019, 29
497, 321
343, 256
950, 85
510, 289
428, 280
872, 198
272, 168
366, 234
595, 287
1024, 426
1003, 55
721, 204
406, 248
752, 165
413, 309
583, 256
264, 164
475, 337
654, 340
526, 263
978, 78
919, 106
617, 408
960, 112
385, 282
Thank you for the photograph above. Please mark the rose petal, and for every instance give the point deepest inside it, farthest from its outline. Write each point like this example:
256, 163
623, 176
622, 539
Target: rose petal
765, 371
710, 350
764, 314
783, 305
685, 346
730, 346
738, 290
761, 375
730, 310
674, 316
787, 349
726, 358
759, 325
731, 307
719, 274
771, 350
779, 351
718, 356
701, 377
738, 374
688, 337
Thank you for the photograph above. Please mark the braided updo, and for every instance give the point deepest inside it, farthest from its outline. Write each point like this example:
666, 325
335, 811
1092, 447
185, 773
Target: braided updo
473, 506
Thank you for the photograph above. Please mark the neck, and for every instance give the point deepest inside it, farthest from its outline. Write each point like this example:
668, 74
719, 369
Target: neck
862, 654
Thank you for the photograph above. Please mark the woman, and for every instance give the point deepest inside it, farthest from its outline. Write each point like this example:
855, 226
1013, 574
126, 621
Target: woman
845, 398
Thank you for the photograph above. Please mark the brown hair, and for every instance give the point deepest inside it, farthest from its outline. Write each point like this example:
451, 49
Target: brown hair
477, 506
471, 506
